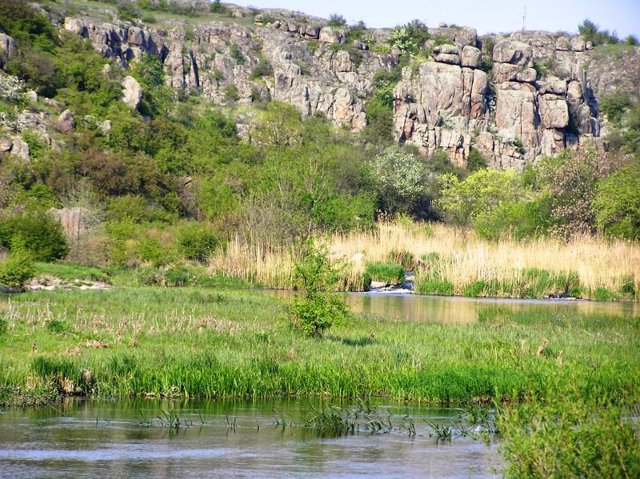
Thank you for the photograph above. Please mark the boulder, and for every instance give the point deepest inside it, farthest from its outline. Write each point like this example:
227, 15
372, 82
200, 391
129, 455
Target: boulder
20, 149
505, 72
5, 145
552, 85
131, 92
516, 112
8, 49
332, 35
66, 123
553, 111
470, 56
513, 52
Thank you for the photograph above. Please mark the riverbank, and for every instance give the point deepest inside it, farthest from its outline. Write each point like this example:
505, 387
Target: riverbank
452, 261
191, 342
576, 372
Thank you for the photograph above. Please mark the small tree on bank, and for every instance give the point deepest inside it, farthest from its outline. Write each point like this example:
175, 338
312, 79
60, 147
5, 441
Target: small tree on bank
314, 310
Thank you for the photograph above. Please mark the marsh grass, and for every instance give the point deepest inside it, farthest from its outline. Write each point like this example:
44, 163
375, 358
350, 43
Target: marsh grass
202, 343
564, 384
452, 261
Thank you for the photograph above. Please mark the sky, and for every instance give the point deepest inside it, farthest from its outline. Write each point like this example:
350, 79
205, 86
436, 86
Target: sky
621, 16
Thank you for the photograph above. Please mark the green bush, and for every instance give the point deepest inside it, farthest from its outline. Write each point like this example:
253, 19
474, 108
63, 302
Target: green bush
236, 54
565, 437
617, 203
16, 270
38, 232
197, 242
262, 69
314, 311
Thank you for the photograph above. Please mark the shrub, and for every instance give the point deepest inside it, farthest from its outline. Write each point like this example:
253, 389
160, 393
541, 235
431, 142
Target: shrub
262, 69
617, 203
615, 105
236, 54
315, 311
38, 232
16, 270
231, 93
434, 283
197, 242
336, 20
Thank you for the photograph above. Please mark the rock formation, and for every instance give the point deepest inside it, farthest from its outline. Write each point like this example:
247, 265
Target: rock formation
539, 96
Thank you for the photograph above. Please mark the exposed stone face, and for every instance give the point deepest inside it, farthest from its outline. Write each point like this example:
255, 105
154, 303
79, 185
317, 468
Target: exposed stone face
8, 49
20, 149
542, 89
131, 92
470, 57
66, 123
553, 110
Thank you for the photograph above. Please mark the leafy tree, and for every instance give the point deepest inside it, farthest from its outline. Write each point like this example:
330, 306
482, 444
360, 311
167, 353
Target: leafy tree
401, 177
617, 202
481, 193
314, 310
571, 181
591, 33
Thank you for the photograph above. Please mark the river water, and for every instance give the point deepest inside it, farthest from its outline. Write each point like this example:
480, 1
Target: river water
231, 439
458, 310
267, 438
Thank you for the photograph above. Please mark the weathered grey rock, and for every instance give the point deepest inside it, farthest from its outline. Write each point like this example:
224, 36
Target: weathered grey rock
131, 92
505, 72
20, 149
516, 112
552, 85
31, 96
8, 49
66, 123
332, 35
553, 111
5, 145
513, 52
470, 56
105, 126
563, 44
460, 36
447, 54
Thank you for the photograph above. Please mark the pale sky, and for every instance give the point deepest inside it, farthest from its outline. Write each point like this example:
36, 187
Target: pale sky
621, 16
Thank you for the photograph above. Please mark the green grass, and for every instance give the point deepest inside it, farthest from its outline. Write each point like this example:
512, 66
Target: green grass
564, 385
389, 273
192, 342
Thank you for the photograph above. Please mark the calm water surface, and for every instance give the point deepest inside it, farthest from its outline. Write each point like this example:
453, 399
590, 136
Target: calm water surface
448, 309
227, 439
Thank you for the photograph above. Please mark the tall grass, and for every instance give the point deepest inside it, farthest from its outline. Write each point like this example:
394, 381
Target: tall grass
456, 260
204, 343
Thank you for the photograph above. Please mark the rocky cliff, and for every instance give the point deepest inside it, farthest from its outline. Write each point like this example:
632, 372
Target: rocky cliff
539, 96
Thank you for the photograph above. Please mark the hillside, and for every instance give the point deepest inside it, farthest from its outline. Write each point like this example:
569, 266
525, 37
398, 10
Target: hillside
157, 131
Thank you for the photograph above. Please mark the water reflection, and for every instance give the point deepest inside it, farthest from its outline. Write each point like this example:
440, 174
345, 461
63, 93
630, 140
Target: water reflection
467, 310
108, 439
457, 310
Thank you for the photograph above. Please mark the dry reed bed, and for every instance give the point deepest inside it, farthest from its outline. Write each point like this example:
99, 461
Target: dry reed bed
458, 255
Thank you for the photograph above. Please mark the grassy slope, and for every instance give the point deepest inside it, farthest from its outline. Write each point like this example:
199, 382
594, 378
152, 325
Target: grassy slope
197, 342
